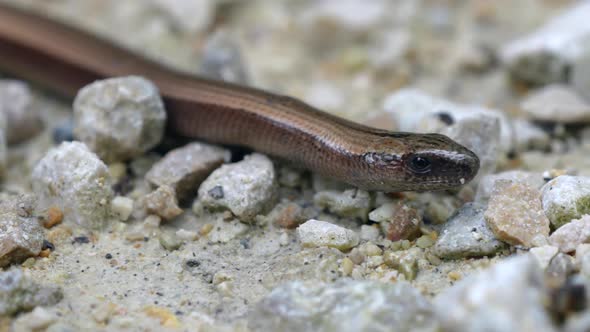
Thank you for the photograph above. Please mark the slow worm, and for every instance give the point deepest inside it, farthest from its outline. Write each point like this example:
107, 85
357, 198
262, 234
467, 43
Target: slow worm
64, 59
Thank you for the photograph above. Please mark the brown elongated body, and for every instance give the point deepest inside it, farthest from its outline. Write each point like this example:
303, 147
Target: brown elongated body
65, 59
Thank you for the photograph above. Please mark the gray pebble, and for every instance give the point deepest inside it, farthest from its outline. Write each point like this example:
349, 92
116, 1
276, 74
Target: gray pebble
353, 203
317, 233
466, 234
222, 59
557, 103
246, 188
570, 235
546, 55
119, 118
566, 198
506, 297
22, 117
345, 305
75, 180
21, 235
185, 168
486, 184
19, 293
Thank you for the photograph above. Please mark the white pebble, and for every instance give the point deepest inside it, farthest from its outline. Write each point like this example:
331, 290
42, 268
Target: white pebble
122, 207
316, 233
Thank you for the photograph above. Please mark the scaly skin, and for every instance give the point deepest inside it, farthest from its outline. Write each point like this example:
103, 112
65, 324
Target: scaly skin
65, 59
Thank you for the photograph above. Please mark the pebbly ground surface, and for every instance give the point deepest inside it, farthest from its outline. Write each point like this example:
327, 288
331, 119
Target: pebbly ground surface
127, 228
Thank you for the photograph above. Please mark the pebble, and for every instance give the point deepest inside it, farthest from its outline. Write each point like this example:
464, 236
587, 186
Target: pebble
486, 132
566, 198
544, 254
351, 15
556, 103
122, 207
528, 136
288, 215
316, 233
572, 234
163, 203
506, 297
73, 179
18, 293
515, 214
169, 240
466, 234
370, 233
346, 305
21, 235
405, 261
37, 320
192, 16
22, 117
224, 231
186, 235
486, 184
398, 221
119, 118
351, 203
185, 168
222, 59
247, 188
581, 75
546, 55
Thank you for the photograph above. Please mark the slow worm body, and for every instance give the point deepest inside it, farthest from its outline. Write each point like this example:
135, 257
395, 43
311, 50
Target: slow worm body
64, 59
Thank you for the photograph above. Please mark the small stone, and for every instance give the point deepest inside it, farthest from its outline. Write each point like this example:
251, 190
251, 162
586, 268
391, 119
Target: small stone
287, 215
544, 254
316, 233
515, 214
572, 234
557, 103
249, 187
425, 241
529, 136
369, 232
20, 237
73, 179
370, 249
353, 203
185, 168
225, 231
509, 296
346, 305
206, 229
559, 269
163, 202
546, 55
186, 235
169, 241
152, 221
347, 265
18, 293
566, 198
54, 216
189, 16
17, 106
405, 262
284, 239
222, 59
466, 234
122, 207
486, 184
37, 320
119, 118
398, 221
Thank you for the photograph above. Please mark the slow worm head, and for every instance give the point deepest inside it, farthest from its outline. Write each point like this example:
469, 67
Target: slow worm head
65, 59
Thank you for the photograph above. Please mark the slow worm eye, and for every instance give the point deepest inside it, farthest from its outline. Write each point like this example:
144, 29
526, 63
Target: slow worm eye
420, 164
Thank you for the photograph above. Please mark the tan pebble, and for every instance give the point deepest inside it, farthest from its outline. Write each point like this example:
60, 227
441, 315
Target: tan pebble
45, 253
206, 229
134, 236
53, 217
137, 245
166, 317
59, 234
347, 266
227, 216
454, 275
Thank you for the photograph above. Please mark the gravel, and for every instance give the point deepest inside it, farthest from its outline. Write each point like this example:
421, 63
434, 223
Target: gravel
317, 233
